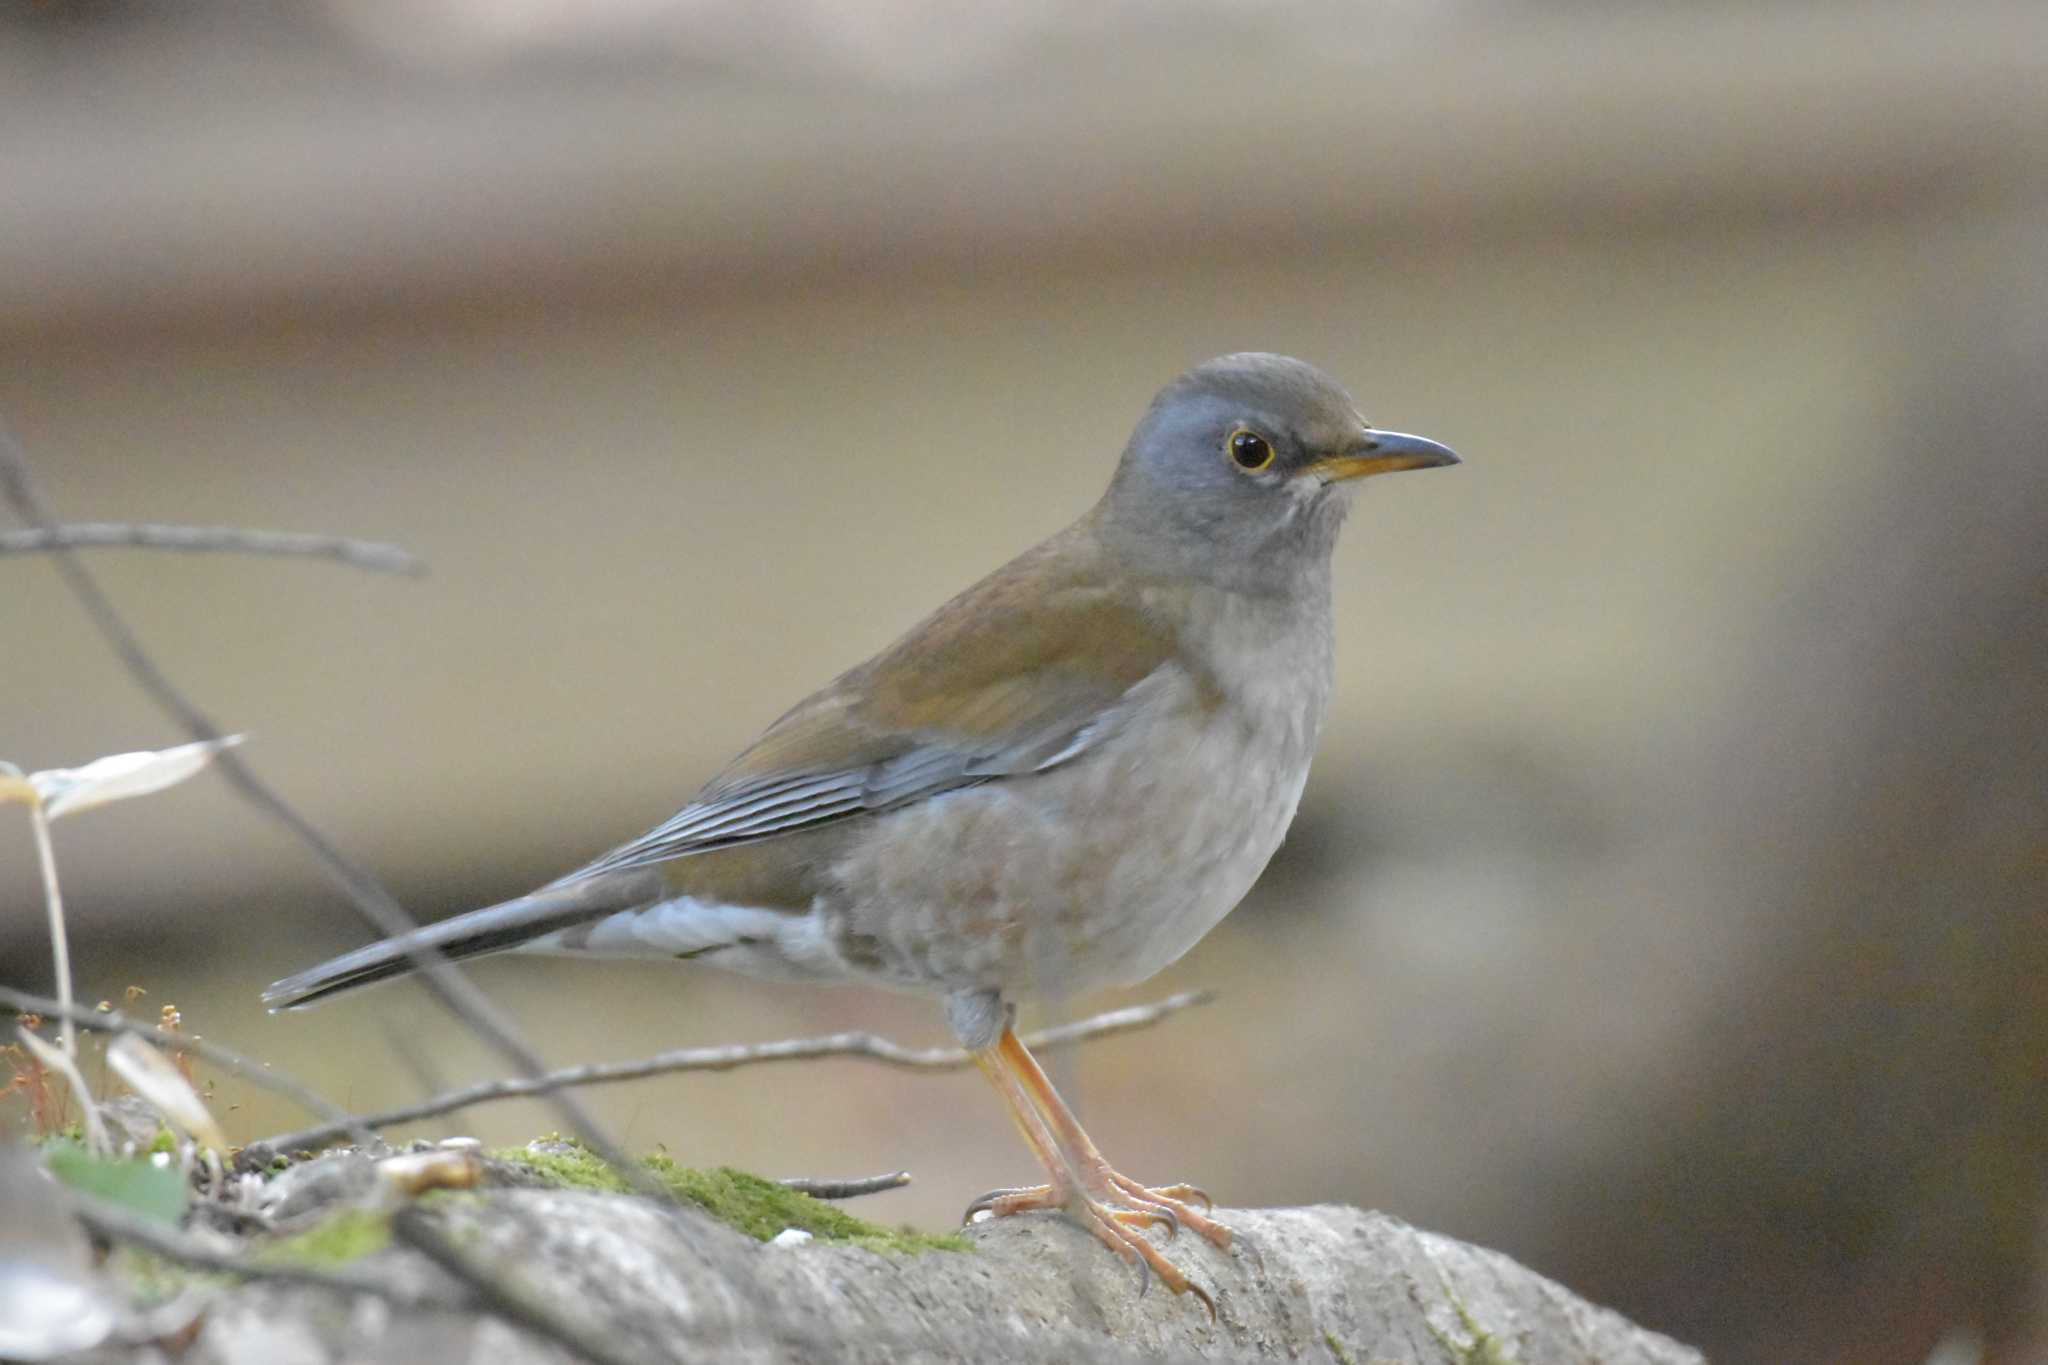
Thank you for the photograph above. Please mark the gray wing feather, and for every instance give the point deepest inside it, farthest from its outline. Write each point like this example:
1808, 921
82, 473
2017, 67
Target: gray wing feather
492, 929
748, 811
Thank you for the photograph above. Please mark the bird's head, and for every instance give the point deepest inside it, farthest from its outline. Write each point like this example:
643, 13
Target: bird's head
1239, 472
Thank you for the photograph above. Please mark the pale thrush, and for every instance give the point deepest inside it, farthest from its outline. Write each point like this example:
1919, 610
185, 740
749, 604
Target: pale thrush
1059, 780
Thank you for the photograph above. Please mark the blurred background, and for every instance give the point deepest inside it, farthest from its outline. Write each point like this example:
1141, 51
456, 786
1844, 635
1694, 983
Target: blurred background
1666, 907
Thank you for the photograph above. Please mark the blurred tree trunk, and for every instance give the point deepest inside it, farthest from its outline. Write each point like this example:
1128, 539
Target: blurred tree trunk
1852, 1162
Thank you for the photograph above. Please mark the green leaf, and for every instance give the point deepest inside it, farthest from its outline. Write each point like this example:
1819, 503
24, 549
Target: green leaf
139, 1185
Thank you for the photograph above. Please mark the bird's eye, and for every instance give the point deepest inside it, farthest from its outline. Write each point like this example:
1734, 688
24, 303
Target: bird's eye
1250, 451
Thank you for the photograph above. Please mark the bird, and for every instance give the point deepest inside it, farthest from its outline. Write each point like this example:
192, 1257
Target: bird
1060, 780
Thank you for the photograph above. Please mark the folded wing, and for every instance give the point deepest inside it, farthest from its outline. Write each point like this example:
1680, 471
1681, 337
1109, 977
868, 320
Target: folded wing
1015, 676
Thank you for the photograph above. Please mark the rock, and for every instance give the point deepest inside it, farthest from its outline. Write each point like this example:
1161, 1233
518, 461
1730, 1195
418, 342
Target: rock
654, 1283
314, 1187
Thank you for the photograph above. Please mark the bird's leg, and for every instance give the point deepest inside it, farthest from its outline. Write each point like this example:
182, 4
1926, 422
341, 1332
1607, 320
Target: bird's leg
1112, 1206
1167, 1203
1001, 1203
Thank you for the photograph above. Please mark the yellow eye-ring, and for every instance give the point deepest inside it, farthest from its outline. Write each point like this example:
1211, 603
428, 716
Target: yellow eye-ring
1249, 451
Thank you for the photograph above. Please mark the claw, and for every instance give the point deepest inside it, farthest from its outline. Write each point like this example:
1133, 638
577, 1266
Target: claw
1186, 1192
1251, 1247
1151, 1215
1169, 1200
987, 1203
1138, 1253
1117, 1210
1114, 1229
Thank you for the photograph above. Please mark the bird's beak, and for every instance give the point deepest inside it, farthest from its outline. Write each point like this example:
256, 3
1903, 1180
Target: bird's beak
1384, 452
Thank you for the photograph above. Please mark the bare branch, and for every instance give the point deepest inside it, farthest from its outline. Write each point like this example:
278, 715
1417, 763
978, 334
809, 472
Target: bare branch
373, 555
1108, 1024
451, 987
117, 1224
226, 1059
846, 1189
725, 1058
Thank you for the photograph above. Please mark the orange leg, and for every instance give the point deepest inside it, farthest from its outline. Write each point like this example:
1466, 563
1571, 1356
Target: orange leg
1114, 1207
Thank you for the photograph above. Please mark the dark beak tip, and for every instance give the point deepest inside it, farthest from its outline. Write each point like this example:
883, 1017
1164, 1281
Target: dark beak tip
1416, 452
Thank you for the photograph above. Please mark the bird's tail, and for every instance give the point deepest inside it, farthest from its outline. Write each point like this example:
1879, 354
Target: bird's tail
494, 929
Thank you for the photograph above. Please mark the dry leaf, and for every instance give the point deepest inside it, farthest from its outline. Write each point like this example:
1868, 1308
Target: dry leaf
158, 1080
66, 791
414, 1173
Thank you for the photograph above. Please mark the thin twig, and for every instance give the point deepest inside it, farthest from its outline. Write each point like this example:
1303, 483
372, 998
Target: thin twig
226, 1059
452, 988
373, 555
117, 1224
846, 1189
863, 1045
60, 942
504, 1292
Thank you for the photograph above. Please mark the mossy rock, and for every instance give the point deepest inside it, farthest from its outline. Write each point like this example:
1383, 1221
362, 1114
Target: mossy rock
757, 1206
342, 1236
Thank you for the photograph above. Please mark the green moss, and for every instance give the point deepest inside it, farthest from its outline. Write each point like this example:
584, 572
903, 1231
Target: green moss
164, 1141
1483, 1349
335, 1240
759, 1207
342, 1237
1337, 1348
151, 1279
565, 1164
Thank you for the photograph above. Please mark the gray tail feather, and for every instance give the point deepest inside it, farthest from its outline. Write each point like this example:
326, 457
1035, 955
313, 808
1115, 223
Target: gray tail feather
494, 929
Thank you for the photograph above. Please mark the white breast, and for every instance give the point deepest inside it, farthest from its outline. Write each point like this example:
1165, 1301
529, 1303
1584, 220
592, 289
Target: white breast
1246, 773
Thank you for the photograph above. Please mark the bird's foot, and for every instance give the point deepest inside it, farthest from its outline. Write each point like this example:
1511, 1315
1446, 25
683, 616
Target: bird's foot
1117, 1210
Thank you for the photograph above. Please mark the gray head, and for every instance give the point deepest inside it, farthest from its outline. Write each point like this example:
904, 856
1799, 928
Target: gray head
1239, 473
